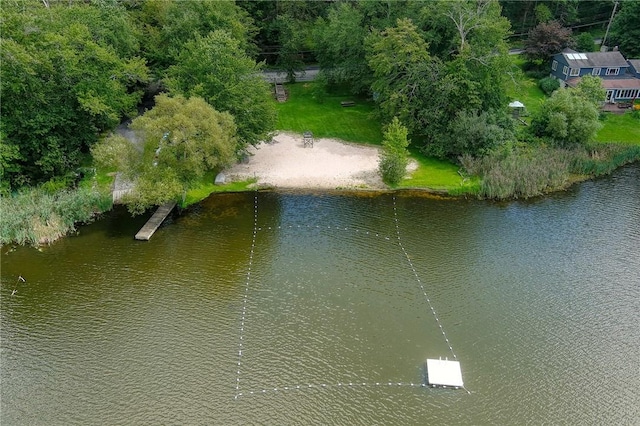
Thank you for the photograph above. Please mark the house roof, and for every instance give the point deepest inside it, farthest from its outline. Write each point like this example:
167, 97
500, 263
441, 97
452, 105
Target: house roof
635, 63
611, 83
594, 59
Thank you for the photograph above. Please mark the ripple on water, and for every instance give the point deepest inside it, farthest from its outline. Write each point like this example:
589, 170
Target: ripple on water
539, 300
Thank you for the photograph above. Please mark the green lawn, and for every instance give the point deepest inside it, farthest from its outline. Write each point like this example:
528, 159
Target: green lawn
438, 175
526, 90
357, 124
620, 128
328, 119
207, 186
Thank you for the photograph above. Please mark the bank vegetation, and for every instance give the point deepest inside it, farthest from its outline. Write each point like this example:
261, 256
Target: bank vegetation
72, 71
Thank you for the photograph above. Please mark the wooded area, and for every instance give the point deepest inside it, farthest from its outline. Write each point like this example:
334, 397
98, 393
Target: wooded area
73, 70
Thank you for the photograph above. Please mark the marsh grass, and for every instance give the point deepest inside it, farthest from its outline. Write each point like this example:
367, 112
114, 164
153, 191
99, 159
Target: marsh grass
603, 159
525, 172
35, 216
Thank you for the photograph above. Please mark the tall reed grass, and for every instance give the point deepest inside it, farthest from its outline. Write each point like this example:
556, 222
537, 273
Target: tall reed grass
523, 172
35, 216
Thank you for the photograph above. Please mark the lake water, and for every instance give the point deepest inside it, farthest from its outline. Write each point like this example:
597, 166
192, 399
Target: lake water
282, 308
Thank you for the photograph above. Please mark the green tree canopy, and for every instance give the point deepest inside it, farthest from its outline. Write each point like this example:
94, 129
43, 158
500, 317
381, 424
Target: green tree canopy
182, 140
216, 68
63, 83
625, 30
340, 49
166, 25
568, 117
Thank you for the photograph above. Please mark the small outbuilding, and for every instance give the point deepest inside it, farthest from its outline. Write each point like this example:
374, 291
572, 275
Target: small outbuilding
516, 108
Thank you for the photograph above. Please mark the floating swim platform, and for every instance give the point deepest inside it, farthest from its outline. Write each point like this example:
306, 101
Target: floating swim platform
444, 373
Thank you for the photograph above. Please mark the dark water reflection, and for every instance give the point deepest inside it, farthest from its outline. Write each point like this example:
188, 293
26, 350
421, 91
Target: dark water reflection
540, 300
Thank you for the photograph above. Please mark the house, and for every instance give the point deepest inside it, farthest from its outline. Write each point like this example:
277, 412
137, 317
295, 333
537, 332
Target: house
634, 67
620, 78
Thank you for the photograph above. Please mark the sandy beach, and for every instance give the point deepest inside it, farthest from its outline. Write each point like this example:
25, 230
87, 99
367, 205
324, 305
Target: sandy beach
329, 164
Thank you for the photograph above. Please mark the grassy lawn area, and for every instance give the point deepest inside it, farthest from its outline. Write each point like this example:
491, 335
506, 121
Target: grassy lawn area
328, 119
439, 175
357, 124
620, 128
526, 91
207, 187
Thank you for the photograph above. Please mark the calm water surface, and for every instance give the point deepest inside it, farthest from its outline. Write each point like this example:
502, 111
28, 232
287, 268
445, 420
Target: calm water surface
313, 296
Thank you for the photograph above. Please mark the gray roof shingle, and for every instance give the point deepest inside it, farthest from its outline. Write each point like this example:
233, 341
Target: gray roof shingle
597, 60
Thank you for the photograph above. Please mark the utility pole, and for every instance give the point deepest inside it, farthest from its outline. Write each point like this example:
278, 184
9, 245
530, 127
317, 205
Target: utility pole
603, 46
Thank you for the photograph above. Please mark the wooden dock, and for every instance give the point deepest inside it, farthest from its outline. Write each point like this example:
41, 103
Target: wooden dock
155, 221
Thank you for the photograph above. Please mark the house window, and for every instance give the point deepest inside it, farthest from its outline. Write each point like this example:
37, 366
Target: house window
596, 71
574, 72
554, 65
565, 70
613, 71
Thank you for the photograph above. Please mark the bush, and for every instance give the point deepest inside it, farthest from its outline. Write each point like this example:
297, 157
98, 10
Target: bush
536, 74
548, 85
394, 156
477, 133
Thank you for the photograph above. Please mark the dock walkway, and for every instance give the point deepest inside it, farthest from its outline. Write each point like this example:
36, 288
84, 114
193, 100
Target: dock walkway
155, 221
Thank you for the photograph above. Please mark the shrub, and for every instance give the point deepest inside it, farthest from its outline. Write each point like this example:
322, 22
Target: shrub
567, 118
477, 133
548, 85
394, 156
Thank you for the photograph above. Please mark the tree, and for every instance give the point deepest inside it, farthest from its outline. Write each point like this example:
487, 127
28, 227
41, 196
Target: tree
216, 68
64, 83
546, 39
394, 156
471, 15
625, 31
476, 133
542, 12
340, 47
405, 75
182, 140
568, 117
590, 88
584, 42
291, 40
168, 24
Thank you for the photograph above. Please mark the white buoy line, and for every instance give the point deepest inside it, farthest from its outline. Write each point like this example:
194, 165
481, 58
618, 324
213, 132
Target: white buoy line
246, 290
347, 385
415, 273
339, 385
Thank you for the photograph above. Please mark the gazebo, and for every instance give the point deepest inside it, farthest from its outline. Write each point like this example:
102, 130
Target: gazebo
517, 107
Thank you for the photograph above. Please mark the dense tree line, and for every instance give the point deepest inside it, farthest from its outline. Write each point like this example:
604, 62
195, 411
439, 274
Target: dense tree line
72, 70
